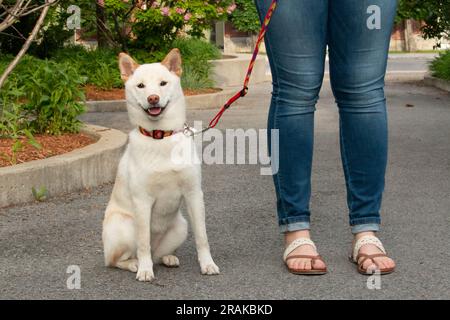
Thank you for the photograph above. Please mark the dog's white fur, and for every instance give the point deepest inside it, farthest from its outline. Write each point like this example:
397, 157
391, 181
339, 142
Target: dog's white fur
143, 223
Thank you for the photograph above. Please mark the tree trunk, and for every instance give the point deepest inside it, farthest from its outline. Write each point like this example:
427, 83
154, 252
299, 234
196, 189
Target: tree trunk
102, 39
25, 46
410, 42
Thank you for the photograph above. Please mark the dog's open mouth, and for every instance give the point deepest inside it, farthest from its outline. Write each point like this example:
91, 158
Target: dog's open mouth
154, 111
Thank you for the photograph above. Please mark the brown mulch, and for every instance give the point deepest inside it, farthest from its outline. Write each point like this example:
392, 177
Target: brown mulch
51, 146
93, 93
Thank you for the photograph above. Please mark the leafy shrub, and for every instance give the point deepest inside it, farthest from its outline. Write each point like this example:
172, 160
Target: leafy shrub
54, 97
196, 68
245, 17
41, 96
440, 67
45, 96
98, 66
155, 23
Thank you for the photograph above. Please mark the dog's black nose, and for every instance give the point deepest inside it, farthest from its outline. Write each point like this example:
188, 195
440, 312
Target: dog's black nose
153, 99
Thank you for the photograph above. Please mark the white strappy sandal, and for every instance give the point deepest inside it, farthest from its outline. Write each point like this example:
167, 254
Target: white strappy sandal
359, 258
294, 245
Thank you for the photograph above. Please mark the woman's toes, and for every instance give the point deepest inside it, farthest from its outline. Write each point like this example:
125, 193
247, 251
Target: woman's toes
371, 268
381, 264
302, 264
369, 265
390, 263
393, 264
308, 265
318, 264
294, 264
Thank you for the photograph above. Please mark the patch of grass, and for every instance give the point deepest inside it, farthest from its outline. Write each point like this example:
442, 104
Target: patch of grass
440, 67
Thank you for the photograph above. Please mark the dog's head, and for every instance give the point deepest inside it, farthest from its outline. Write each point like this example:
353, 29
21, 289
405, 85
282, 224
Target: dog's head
153, 91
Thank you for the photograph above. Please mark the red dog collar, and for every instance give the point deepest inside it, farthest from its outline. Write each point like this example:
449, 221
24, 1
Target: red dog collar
158, 134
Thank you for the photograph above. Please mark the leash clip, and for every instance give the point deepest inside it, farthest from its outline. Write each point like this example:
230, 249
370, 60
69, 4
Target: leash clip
188, 131
191, 132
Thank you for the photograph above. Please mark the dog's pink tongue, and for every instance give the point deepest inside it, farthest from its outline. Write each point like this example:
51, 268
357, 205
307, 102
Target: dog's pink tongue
154, 111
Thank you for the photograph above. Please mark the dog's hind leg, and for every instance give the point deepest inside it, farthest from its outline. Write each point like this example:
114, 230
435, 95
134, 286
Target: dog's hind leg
118, 241
129, 265
170, 241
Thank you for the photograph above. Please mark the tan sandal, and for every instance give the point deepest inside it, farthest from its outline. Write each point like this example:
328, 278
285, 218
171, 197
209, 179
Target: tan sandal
359, 258
294, 245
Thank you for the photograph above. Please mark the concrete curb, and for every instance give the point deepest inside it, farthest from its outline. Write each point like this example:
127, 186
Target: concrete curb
87, 167
231, 72
437, 83
201, 101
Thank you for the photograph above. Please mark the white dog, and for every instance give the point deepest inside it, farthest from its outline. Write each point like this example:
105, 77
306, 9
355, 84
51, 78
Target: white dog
143, 223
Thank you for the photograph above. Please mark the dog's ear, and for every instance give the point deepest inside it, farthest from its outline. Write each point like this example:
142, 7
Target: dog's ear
127, 66
173, 62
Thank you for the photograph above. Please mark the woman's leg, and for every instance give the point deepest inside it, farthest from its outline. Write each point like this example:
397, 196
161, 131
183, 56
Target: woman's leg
359, 33
295, 44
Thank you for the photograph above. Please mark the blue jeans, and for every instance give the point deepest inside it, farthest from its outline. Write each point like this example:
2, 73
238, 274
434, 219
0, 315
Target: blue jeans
357, 33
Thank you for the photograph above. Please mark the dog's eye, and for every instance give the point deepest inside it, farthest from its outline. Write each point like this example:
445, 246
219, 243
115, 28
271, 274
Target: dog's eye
141, 85
163, 83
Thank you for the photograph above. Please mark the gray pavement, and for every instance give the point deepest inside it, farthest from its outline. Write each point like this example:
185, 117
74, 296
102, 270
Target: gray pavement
38, 241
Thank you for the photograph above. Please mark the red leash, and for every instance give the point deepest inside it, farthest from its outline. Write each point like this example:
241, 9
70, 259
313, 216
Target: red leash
244, 90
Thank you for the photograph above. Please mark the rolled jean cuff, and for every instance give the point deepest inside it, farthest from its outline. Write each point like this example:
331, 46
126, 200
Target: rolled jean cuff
365, 227
294, 226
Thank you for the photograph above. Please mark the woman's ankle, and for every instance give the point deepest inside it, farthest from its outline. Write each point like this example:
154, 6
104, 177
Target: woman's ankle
292, 235
359, 235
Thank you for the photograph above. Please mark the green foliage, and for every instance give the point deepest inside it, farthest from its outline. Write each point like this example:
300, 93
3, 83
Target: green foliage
196, 68
245, 18
40, 194
440, 67
52, 36
195, 49
160, 22
435, 14
99, 67
13, 122
54, 97
41, 96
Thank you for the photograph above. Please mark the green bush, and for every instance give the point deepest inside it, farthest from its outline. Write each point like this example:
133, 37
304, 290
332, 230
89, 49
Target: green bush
54, 97
245, 17
45, 96
41, 96
160, 22
101, 69
440, 67
98, 66
196, 68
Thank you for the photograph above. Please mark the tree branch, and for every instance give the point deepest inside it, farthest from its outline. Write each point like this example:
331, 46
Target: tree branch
25, 46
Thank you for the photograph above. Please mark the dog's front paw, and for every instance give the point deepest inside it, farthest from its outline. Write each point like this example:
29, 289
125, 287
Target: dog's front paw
145, 274
209, 268
171, 261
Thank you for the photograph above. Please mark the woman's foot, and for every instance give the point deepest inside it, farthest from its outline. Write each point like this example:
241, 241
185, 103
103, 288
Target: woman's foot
372, 264
306, 249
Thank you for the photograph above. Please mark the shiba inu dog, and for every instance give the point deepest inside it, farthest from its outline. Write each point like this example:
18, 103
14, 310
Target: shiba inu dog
143, 223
